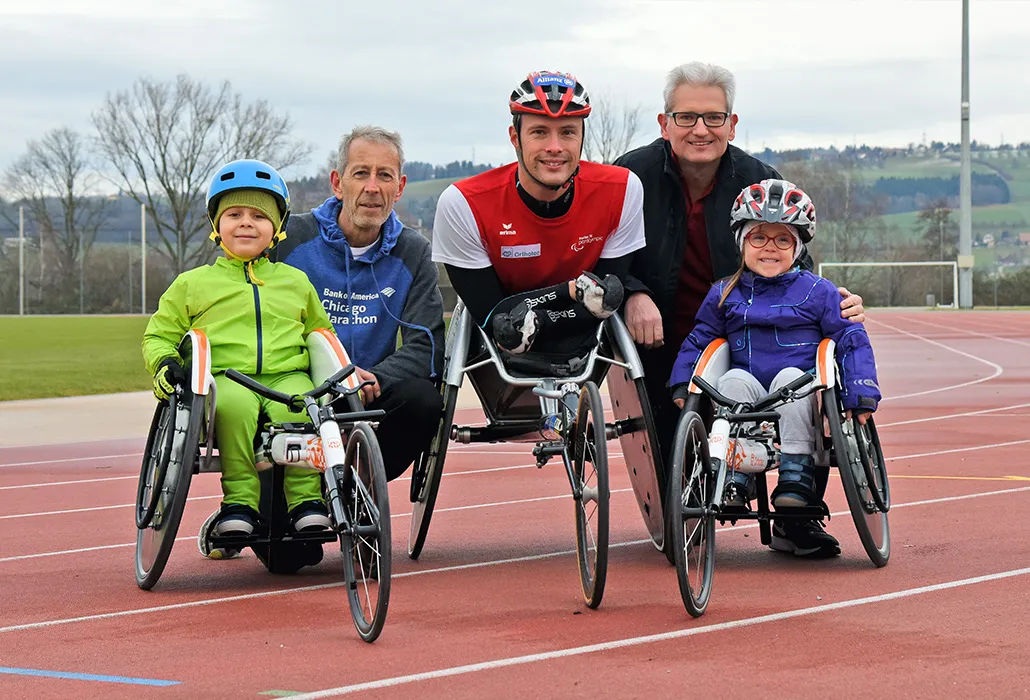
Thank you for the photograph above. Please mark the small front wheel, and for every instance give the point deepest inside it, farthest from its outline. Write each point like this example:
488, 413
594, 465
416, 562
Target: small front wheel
590, 470
365, 539
691, 524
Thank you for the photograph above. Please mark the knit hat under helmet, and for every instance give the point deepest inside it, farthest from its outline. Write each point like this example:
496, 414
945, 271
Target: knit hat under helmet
263, 201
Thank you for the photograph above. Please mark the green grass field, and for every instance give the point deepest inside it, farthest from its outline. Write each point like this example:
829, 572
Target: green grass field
43, 356
423, 189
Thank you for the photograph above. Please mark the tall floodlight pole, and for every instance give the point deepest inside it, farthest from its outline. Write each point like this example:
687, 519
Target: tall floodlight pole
965, 238
143, 257
21, 261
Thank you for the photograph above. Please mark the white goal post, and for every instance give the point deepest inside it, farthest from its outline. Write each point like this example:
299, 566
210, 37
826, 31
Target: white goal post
932, 263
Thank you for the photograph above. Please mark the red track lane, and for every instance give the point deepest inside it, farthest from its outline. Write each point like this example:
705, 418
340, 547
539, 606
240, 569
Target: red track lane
516, 592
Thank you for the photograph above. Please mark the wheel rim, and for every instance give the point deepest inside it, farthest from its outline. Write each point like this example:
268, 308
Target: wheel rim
873, 465
590, 467
158, 452
695, 538
427, 486
366, 548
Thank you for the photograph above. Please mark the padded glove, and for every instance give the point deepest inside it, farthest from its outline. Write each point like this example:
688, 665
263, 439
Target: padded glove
169, 375
602, 298
516, 330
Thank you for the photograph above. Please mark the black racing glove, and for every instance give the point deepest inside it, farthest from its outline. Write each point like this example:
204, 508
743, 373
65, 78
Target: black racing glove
516, 330
169, 375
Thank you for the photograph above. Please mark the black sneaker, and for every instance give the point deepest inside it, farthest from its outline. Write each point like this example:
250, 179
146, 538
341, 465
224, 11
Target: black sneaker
235, 520
804, 538
310, 516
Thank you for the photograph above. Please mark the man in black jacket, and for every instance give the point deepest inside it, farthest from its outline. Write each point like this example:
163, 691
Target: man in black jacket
691, 177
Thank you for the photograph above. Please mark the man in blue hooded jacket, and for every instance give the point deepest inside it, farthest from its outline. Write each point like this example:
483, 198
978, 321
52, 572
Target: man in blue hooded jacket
375, 277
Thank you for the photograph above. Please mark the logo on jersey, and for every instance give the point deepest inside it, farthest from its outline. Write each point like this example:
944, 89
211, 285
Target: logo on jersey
506, 230
388, 292
584, 241
509, 252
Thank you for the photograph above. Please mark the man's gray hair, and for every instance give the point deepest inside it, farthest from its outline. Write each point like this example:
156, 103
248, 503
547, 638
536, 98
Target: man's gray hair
375, 134
700, 74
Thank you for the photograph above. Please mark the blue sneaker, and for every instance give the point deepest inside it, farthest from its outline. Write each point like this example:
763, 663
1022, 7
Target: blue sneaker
796, 487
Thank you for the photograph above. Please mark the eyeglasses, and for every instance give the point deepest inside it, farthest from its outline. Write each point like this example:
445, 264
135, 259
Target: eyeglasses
783, 241
687, 119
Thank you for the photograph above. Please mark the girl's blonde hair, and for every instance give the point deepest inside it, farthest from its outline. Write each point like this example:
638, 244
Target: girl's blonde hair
731, 282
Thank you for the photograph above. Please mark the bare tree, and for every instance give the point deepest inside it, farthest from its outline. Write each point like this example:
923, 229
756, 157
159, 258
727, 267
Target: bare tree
611, 128
165, 140
56, 181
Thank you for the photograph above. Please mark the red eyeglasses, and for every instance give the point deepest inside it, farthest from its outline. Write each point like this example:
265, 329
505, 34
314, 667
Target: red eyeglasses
783, 241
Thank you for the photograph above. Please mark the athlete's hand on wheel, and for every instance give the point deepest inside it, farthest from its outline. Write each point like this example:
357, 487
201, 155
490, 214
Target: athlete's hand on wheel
602, 298
644, 321
169, 375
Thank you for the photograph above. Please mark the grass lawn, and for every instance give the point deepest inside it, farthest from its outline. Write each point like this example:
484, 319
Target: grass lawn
45, 356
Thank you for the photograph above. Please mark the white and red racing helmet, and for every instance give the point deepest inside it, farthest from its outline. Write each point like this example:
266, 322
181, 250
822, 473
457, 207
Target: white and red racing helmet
774, 202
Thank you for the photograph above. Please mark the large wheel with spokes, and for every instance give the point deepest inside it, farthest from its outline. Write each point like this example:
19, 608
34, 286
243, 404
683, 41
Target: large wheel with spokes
850, 460
691, 523
365, 544
590, 470
165, 482
426, 476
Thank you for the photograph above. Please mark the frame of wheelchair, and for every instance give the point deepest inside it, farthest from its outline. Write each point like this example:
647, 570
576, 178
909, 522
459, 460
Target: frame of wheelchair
181, 443
699, 467
516, 404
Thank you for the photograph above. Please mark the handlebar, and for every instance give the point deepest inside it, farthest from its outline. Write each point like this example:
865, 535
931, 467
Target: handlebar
297, 402
754, 410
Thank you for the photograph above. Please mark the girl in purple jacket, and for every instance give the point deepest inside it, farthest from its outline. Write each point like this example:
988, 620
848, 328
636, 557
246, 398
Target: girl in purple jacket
774, 315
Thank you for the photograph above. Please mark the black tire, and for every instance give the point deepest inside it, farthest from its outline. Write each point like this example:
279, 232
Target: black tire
426, 476
871, 523
873, 463
155, 461
691, 524
590, 469
154, 542
367, 540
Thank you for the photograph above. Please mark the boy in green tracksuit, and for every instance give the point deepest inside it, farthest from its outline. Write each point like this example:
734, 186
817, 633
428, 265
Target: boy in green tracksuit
257, 315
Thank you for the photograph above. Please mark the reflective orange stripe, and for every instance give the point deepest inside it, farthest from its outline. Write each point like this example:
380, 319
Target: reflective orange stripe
200, 361
706, 357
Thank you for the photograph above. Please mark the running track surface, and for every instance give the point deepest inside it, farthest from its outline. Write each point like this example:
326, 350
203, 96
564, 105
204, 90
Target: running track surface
493, 608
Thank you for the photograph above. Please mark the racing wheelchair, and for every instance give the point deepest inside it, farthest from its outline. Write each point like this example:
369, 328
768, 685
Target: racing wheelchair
342, 446
530, 399
745, 436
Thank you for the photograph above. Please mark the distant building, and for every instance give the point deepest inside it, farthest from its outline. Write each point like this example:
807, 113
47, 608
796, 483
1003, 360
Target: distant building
1024, 239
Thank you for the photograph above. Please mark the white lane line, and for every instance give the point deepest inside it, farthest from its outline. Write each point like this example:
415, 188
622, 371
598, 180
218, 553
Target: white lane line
653, 638
443, 569
90, 510
66, 483
968, 414
138, 455
997, 368
405, 515
969, 332
80, 550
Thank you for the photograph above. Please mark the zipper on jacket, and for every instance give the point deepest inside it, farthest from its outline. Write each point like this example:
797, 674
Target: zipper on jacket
257, 315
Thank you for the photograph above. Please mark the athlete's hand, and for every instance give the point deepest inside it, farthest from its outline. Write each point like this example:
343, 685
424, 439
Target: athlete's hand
169, 375
601, 297
851, 307
368, 393
644, 321
515, 331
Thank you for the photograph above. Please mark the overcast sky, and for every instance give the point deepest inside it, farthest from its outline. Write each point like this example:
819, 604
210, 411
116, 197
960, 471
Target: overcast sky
809, 72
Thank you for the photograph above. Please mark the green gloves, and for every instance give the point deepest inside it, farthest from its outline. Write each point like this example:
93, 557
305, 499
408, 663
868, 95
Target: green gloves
169, 375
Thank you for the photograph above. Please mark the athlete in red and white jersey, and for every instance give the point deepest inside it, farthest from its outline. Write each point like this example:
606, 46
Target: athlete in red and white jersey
535, 249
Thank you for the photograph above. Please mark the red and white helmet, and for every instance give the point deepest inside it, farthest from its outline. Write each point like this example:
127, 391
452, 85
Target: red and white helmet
774, 202
550, 95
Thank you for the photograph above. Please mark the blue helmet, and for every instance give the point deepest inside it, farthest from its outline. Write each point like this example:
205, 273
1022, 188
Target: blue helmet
249, 174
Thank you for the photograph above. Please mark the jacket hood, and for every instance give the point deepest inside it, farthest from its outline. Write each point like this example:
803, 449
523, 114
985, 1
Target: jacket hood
327, 215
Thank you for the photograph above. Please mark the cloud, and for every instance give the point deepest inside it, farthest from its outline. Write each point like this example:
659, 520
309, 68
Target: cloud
440, 72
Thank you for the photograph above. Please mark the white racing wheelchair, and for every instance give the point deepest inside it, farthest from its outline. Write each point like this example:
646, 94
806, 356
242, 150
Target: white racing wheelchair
745, 436
528, 399
341, 445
